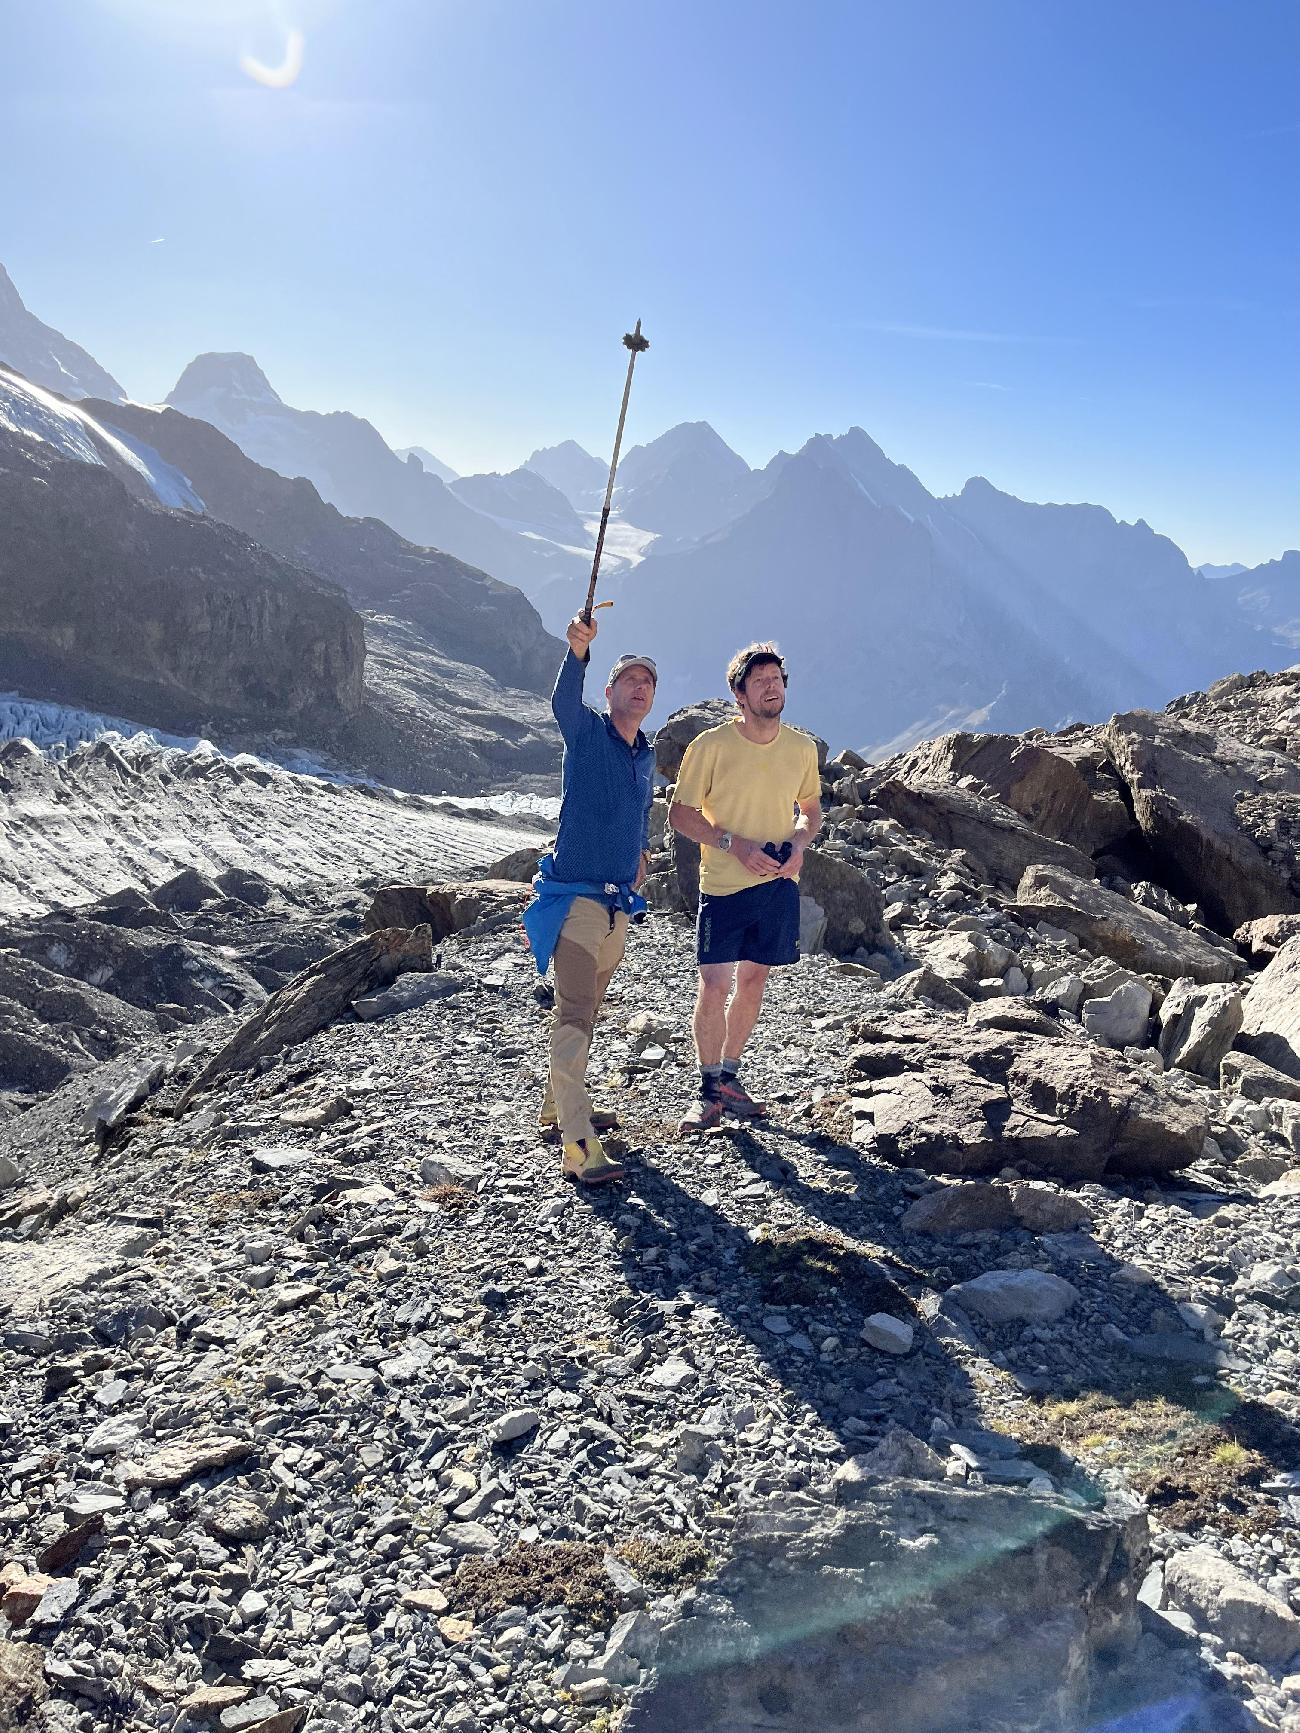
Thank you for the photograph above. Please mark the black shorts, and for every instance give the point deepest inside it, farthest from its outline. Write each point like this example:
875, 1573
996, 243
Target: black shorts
758, 925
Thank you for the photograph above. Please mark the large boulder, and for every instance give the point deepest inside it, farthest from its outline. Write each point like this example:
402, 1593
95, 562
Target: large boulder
1062, 785
996, 840
850, 901
1223, 1599
1265, 937
973, 1101
1270, 1027
446, 908
1109, 924
676, 734
921, 1608
1198, 1025
1217, 814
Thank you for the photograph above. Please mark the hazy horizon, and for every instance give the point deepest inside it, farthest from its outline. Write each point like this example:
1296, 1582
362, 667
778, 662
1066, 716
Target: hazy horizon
1048, 249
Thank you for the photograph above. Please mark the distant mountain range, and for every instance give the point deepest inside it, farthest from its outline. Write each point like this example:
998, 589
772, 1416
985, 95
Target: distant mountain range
523, 501
904, 613
347, 461
1230, 571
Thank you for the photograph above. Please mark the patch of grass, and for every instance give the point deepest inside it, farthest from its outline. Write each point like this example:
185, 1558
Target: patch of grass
1196, 1461
227, 1203
547, 1574
800, 1268
453, 1200
1229, 1455
572, 1574
666, 1562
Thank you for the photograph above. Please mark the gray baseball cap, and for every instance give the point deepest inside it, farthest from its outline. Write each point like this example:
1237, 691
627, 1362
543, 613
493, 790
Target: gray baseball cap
626, 662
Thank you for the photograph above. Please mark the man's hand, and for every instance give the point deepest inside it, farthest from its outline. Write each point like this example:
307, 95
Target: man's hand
755, 859
580, 632
643, 866
794, 865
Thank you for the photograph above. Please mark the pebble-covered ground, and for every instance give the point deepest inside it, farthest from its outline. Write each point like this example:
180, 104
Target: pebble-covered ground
310, 1380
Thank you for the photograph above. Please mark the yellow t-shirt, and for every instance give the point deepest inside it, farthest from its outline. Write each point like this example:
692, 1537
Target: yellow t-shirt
748, 789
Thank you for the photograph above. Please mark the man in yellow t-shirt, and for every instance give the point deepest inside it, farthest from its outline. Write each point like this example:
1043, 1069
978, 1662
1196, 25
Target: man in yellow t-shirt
749, 793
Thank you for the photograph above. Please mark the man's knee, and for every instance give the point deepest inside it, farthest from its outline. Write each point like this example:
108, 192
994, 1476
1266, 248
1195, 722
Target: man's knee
751, 978
715, 983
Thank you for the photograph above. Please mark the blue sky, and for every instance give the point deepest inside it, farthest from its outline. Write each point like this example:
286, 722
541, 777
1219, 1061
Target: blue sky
1047, 241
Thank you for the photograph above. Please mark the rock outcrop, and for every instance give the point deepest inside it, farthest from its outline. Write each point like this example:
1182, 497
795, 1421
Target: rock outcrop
1221, 818
1117, 927
1270, 1028
961, 1100
111, 602
464, 613
999, 844
1062, 785
865, 1620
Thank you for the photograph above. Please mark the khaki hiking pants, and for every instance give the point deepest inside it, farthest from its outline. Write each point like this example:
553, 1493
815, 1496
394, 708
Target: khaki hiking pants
589, 949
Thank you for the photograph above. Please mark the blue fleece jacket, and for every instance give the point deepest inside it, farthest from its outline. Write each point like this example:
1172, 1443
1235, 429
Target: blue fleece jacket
608, 787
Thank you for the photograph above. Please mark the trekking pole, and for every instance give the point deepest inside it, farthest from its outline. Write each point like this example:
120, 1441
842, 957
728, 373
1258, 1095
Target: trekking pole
638, 344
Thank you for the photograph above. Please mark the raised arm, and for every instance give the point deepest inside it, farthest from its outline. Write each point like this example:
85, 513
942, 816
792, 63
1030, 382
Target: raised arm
566, 700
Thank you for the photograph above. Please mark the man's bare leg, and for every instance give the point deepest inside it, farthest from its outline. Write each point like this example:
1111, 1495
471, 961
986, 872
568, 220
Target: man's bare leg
709, 1024
743, 1008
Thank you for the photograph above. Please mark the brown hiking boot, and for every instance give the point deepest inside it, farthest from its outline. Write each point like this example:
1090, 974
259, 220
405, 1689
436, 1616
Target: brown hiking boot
737, 1101
703, 1115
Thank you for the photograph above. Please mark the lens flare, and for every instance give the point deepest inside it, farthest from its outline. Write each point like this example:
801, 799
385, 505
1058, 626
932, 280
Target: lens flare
286, 73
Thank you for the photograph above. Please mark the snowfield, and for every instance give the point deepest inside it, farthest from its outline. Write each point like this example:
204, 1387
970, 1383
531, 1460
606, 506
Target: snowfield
35, 414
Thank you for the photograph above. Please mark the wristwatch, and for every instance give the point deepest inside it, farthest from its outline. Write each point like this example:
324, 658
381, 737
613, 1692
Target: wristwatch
725, 841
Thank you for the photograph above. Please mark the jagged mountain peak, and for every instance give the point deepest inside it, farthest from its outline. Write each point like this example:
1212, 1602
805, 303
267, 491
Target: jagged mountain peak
572, 469
427, 461
688, 439
568, 449
230, 374
45, 356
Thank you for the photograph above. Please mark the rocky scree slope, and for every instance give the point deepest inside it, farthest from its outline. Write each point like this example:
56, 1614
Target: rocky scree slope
967, 1383
311, 1419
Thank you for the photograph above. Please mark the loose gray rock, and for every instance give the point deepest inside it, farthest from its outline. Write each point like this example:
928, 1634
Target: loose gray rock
1224, 1600
1016, 1296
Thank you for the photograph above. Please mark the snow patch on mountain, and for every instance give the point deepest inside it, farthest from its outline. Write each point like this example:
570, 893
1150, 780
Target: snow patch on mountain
27, 410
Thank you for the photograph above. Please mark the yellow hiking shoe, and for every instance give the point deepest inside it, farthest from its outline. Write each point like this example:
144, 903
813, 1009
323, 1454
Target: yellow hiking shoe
548, 1121
587, 1163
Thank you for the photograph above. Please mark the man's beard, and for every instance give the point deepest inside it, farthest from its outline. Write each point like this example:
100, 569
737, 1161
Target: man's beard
769, 707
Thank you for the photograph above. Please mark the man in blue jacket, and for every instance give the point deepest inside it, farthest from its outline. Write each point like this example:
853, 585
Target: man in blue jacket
587, 888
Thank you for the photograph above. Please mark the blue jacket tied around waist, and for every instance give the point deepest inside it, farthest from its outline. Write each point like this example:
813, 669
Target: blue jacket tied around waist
604, 816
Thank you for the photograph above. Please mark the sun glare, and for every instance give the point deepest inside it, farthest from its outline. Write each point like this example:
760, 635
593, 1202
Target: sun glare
277, 77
